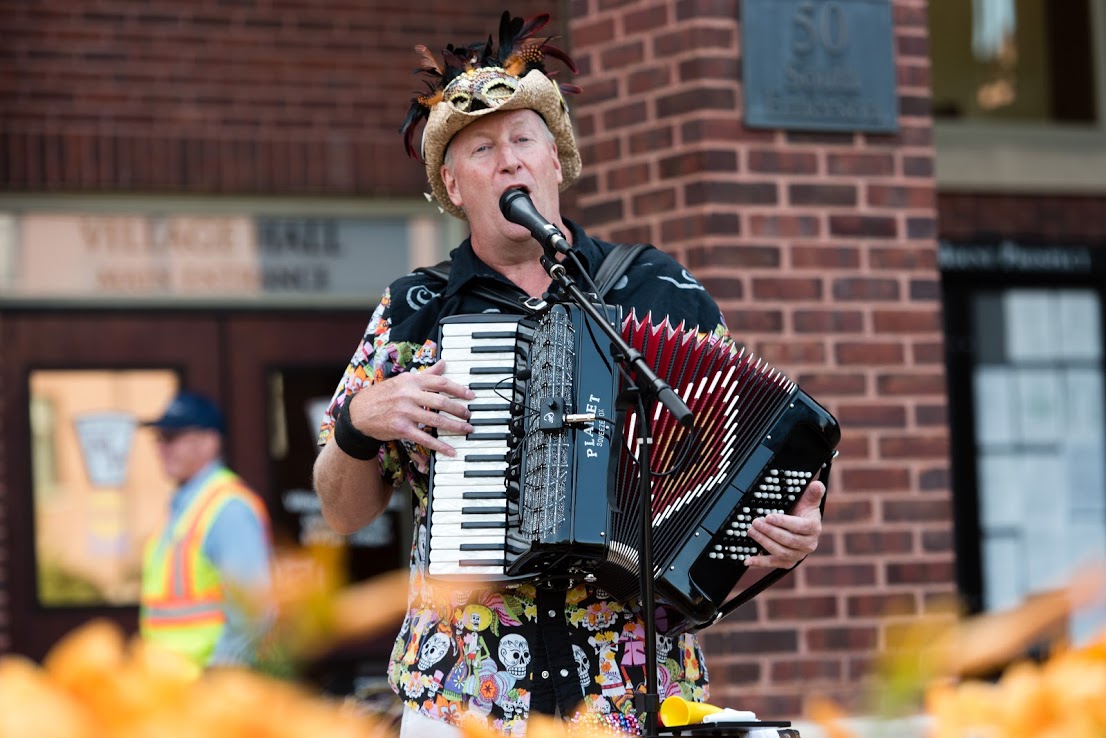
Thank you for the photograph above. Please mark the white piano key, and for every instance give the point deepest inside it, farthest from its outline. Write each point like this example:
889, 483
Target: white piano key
458, 479
472, 446
500, 353
468, 329
499, 381
479, 429
449, 518
488, 549
442, 504
498, 374
447, 542
454, 530
460, 465
499, 394
486, 557
501, 417
487, 338
464, 365
449, 568
458, 491
468, 460
472, 558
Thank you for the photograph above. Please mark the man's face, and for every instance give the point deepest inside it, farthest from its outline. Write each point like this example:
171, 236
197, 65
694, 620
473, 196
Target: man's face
184, 452
496, 153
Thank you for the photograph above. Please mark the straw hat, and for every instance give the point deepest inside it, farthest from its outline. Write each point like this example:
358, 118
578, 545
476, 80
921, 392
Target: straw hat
478, 80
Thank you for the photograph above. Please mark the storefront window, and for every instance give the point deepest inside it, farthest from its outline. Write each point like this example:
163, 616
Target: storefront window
1040, 436
1013, 60
98, 488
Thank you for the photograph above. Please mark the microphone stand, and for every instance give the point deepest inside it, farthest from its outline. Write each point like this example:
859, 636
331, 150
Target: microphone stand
650, 388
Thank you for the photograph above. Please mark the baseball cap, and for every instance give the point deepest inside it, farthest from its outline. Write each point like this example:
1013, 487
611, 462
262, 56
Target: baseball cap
189, 410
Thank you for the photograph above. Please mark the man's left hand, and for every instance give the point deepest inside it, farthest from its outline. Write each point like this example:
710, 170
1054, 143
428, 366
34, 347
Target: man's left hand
788, 539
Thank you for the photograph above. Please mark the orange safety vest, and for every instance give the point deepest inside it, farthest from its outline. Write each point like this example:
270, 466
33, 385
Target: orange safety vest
182, 592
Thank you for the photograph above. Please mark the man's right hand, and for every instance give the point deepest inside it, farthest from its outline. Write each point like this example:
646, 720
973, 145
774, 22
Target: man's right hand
409, 405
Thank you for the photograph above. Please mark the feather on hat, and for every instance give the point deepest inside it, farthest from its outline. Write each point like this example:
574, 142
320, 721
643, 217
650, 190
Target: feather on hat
479, 79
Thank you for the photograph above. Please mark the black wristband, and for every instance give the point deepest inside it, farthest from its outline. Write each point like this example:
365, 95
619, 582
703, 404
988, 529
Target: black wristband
352, 441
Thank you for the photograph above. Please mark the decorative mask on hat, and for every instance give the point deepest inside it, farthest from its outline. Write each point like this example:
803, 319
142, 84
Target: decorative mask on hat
478, 80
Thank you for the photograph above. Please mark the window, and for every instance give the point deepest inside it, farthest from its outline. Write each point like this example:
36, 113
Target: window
1041, 439
98, 487
1027, 406
1019, 95
1013, 60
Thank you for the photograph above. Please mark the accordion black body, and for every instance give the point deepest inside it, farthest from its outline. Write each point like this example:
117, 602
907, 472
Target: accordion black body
548, 485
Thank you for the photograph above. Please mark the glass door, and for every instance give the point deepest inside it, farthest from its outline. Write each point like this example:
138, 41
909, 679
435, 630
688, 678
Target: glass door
84, 488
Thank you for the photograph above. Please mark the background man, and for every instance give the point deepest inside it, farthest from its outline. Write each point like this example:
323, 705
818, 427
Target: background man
206, 569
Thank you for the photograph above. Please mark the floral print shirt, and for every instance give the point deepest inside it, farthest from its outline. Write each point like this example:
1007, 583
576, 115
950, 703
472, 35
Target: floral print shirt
494, 653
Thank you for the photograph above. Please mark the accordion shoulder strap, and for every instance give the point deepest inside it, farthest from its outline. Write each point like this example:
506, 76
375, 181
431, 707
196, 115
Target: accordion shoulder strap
616, 264
441, 271
610, 271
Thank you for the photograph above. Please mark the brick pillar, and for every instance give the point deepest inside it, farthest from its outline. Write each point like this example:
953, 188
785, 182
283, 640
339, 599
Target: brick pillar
820, 248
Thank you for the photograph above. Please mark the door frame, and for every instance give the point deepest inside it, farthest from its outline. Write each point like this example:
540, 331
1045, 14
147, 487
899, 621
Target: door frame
212, 350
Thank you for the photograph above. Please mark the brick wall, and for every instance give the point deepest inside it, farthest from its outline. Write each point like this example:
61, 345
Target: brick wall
219, 96
821, 250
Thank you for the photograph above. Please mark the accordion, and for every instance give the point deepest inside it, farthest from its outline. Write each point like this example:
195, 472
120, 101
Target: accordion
548, 483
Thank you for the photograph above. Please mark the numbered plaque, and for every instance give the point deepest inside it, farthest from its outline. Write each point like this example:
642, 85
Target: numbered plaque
825, 65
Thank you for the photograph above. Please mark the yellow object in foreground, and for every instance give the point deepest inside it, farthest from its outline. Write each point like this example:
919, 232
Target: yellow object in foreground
676, 711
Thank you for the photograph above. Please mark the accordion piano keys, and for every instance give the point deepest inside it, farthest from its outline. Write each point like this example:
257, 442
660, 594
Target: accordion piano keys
467, 533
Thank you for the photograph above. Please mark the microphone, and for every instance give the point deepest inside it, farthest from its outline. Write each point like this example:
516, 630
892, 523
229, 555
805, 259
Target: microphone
518, 208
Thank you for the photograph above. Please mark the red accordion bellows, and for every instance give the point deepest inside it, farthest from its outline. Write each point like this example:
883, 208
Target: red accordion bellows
730, 394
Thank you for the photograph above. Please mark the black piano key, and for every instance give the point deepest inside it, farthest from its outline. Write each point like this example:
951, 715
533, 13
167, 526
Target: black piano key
482, 562
484, 510
488, 335
503, 384
482, 494
483, 524
484, 473
503, 370
486, 457
482, 546
493, 349
488, 436
488, 421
